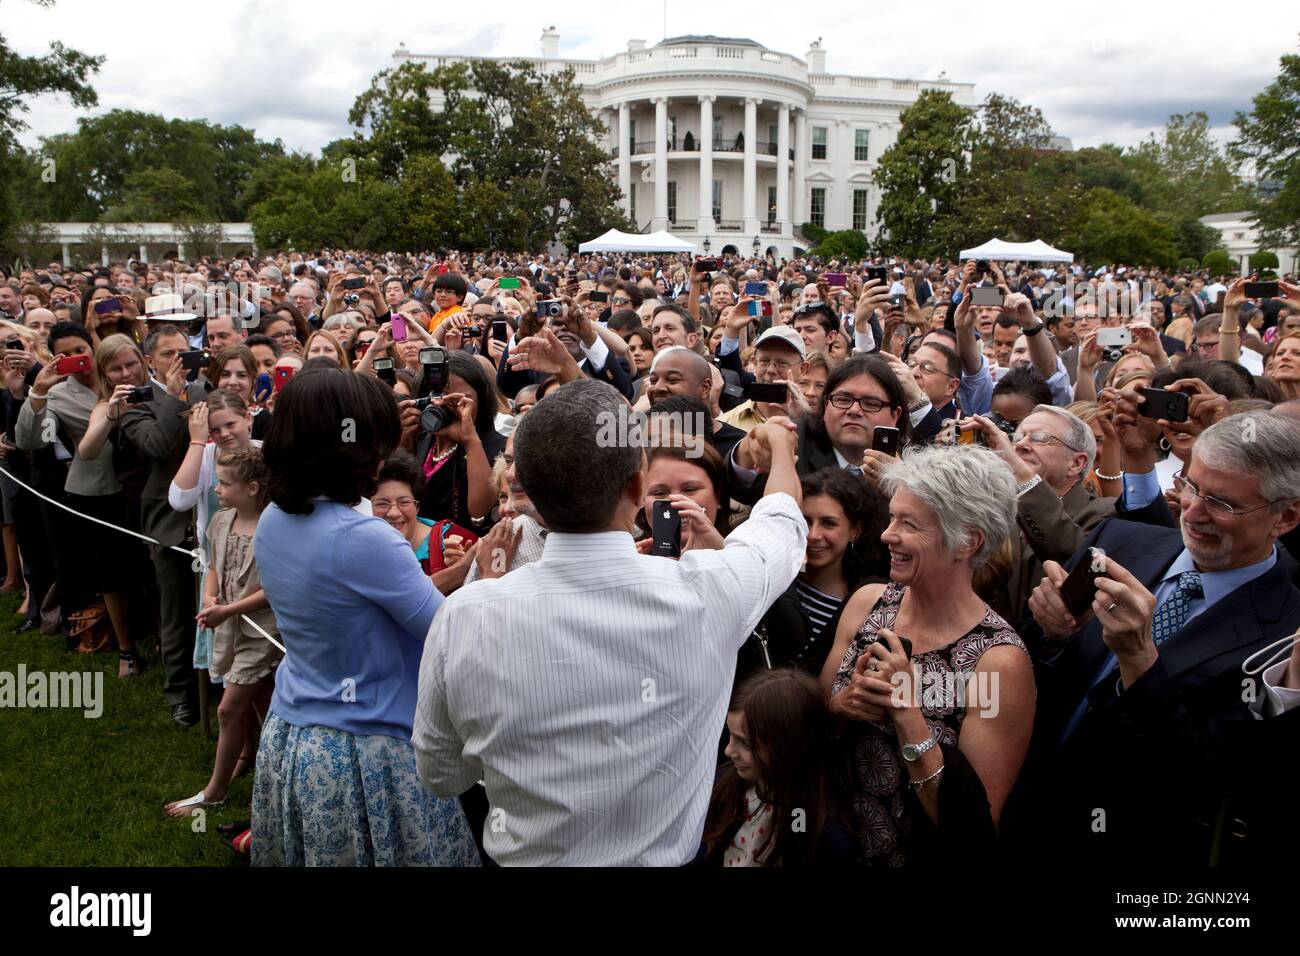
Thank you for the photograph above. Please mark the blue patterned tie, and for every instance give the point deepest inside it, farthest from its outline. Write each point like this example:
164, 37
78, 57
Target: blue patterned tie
1172, 614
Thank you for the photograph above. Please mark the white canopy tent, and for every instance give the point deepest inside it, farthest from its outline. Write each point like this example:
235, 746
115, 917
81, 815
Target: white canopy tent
1036, 251
615, 241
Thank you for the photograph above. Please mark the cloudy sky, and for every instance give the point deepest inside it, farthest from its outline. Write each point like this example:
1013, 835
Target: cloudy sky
1103, 71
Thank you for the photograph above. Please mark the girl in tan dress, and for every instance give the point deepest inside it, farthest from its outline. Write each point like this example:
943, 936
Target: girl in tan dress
232, 591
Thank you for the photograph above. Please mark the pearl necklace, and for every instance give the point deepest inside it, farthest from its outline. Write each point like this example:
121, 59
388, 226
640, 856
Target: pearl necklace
438, 459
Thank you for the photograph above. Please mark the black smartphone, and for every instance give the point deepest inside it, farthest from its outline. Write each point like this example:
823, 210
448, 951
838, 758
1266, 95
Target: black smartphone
600, 295
384, 369
139, 394
357, 283
667, 529
984, 295
1261, 290
1162, 403
885, 438
433, 362
501, 330
905, 642
777, 392
1078, 590
879, 273
705, 265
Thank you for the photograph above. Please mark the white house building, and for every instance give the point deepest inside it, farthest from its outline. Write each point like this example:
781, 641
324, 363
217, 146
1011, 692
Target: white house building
723, 139
1241, 239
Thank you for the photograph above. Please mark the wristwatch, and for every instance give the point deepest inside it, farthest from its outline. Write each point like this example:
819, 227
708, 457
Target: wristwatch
919, 404
912, 752
1036, 329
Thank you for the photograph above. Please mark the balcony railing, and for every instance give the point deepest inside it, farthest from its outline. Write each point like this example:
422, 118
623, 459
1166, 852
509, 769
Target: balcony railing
645, 146
767, 149
770, 226
730, 225
728, 146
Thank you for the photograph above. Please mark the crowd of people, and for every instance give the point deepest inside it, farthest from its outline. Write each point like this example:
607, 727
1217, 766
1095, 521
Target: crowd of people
911, 560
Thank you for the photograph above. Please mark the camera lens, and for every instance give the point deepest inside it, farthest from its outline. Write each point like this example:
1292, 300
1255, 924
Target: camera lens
434, 418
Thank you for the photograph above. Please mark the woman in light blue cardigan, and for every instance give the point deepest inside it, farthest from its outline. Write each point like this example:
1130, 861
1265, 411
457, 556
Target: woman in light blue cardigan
336, 782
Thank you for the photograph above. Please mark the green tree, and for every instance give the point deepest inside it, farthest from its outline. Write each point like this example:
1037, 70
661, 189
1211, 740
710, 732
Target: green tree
1217, 262
524, 149
323, 207
1267, 140
1110, 228
1263, 261
844, 244
922, 173
156, 195
22, 78
1185, 172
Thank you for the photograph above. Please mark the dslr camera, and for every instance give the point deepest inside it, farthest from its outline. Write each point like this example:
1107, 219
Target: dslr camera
433, 418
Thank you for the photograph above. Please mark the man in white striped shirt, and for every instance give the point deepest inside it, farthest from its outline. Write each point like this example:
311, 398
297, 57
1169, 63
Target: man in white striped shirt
588, 690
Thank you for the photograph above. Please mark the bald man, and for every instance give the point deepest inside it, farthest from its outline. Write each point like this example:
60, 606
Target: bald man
678, 370
40, 321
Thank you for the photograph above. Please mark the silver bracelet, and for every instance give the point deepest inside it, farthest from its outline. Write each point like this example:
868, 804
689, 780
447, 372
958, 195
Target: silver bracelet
921, 783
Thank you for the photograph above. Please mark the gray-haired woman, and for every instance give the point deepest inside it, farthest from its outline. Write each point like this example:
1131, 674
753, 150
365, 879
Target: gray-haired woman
905, 728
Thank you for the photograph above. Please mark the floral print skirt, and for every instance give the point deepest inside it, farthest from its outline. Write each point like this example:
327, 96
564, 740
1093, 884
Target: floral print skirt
326, 797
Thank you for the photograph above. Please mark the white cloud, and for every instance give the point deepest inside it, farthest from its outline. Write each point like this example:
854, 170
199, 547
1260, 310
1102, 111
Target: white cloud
291, 70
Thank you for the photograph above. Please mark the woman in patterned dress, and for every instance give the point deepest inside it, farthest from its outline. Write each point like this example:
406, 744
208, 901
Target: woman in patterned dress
950, 510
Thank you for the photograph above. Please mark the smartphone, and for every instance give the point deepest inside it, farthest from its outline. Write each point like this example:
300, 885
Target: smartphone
755, 308
985, 295
969, 436
667, 529
1162, 403
501, 330
905, 642
598, 296
398, 327
885, 438
433, 362
1261, 290
282, 374
262, 387
777, 392
705, 265
111, 304
879, 273
385, 371
1079, 589
1114, 338
361, 348
756, 288
834, 279
356, 283
139, 394
508, 282
195, 359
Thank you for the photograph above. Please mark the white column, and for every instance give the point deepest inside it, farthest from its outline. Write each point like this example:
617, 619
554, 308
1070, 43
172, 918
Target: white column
706, 224
144, 253
783, 169
180, 250
624, 157
661, 164
103, 255
800, 211
750, 226
67, 256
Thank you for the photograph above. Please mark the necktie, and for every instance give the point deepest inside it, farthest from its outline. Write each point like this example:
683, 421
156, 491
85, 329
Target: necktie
1172, 614
854, 470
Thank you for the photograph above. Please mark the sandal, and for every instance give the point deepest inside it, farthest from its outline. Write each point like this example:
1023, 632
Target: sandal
240, 843
196, 802
128, 665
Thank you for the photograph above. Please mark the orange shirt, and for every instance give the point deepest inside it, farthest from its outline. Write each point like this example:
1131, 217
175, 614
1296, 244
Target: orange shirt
442, 316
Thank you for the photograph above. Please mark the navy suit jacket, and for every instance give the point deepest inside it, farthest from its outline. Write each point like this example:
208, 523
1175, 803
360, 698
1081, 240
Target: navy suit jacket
1156, 758
511, 380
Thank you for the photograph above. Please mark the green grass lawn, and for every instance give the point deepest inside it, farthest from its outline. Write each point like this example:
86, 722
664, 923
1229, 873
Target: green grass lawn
76, 791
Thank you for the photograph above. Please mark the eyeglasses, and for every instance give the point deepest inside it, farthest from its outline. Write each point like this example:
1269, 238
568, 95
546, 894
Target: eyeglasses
1039, 438
620, 300
1205, 346
1217, 505
383, 504
869, 403
761, 363
929, 368
283, 335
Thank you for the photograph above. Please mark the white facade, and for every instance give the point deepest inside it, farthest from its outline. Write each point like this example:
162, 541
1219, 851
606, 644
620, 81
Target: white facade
774, 141
1241, 239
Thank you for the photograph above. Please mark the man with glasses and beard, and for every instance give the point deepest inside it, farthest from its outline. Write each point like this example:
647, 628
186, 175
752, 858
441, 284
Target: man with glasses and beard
1141, 693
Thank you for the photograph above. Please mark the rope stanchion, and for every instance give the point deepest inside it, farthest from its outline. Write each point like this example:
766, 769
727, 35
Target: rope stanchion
189, 553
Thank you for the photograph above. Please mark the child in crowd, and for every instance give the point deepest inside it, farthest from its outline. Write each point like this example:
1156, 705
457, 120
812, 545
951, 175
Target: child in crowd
772, 804
232, 590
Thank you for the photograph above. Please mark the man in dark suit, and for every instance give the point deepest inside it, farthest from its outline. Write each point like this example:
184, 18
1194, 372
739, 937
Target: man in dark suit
157, 428
576, 332
1141, 697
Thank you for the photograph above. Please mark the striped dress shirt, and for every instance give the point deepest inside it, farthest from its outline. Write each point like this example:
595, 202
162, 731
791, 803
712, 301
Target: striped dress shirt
588, 690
